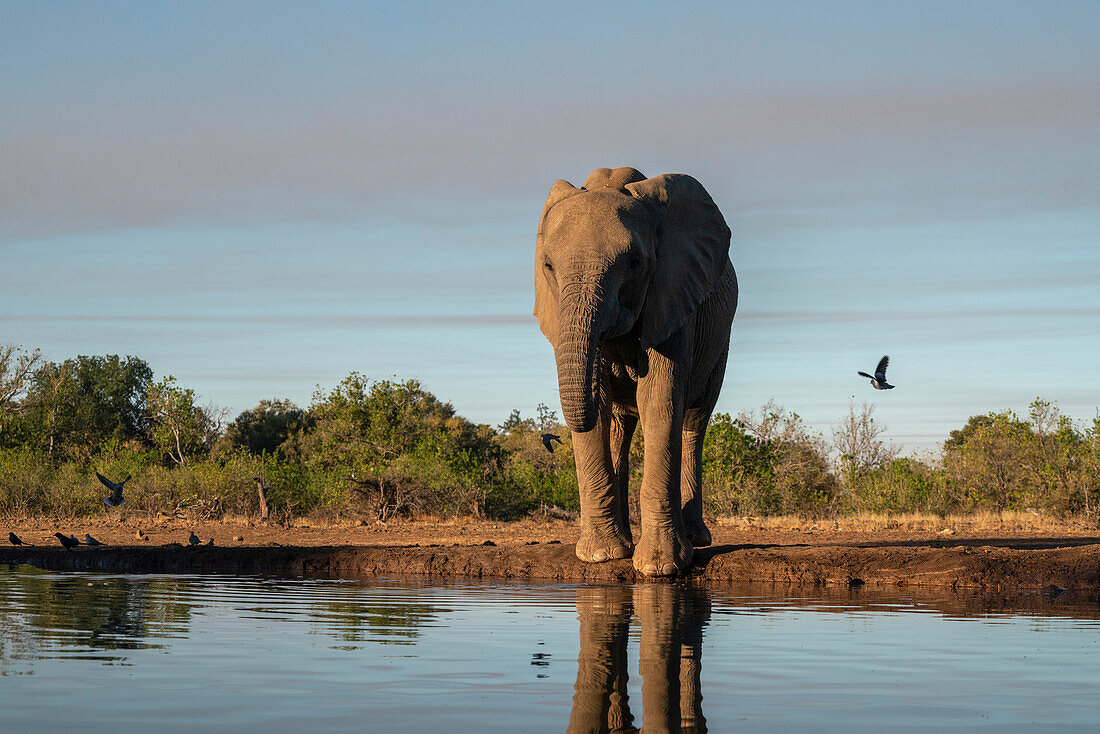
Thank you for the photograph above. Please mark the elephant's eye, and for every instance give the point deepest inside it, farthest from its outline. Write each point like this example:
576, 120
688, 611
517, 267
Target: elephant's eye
548, 266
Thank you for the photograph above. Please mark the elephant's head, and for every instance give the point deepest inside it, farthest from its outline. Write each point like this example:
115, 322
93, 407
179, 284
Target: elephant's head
622, 255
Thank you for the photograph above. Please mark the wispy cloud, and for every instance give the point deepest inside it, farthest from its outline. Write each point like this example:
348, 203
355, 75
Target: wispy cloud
867, 317
1029, 143
291, 319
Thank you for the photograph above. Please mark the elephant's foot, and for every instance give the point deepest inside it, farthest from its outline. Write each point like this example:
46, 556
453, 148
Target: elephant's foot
600, 542
662, 551
697, 532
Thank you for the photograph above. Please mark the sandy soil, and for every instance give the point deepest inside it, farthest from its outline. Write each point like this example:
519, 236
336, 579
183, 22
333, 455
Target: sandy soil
955, 553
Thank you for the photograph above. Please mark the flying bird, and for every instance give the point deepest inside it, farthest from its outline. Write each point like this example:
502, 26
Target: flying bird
68, 541
194, 539
878, 380
548, 440
14, 539
116, 490
89, 540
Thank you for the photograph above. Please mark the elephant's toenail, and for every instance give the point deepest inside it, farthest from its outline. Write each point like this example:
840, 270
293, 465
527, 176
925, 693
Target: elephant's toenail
668, 569
649, 569
599, 556
618, 553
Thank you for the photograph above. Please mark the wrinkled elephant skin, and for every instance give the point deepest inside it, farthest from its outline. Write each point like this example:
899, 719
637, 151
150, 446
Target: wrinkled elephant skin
635, 291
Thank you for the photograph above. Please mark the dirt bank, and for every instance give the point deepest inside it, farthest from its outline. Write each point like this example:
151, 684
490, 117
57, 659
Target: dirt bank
994, 559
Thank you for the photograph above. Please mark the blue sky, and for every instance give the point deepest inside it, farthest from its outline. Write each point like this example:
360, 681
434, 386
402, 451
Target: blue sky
262, 197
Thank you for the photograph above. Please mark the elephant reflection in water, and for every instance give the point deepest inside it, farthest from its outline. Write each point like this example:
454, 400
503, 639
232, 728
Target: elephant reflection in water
672, 620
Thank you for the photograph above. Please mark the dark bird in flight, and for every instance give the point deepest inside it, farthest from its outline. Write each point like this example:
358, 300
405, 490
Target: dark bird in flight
194, 539
878, 380
14, 539
67, 540
548, 440
89, 540
116, 490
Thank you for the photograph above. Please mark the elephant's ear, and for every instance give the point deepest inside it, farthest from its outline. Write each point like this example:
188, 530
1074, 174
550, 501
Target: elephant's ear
692, 250
546, 302
605, 178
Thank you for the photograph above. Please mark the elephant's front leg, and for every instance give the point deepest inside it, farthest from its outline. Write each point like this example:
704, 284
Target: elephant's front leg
663, 549
603, 535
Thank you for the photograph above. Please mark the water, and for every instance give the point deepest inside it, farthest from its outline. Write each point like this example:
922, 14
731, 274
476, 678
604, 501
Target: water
108, 653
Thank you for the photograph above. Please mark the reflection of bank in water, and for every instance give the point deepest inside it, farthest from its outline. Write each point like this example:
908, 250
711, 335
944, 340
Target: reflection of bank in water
671, 620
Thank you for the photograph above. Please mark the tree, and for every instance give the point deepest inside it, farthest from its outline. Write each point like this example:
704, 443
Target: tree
16, 370
1060, 452
546, 419
766, 463
534, 477
266, 428
400, 449
80, 404
957, 438
516, 423
738, 469
986, 461
178, 427
857, 442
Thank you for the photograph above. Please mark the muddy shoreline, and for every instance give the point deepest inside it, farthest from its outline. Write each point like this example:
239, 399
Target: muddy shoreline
999, 565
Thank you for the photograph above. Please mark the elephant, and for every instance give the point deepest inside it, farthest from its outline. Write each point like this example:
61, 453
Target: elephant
635, 291
670, 649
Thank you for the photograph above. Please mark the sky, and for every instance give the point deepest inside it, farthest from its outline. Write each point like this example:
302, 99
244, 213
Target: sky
259, 198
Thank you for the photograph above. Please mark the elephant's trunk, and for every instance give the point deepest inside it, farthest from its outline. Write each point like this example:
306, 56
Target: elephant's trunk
580, 366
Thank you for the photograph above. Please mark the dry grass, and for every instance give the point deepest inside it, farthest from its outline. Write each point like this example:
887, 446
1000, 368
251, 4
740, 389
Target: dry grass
976, 522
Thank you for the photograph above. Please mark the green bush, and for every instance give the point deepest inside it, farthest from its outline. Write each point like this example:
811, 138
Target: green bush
902, 485
379, 449
765, 466
25, 475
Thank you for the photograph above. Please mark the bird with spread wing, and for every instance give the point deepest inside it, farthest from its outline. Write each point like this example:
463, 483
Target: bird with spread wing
878, 380
116, 490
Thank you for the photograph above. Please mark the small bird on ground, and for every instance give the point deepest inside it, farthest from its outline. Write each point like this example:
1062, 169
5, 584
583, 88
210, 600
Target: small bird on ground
68, 541
210, 542
878, 380
548, 440
116, 490
140, 535
194, 539
89, 540
14, 539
